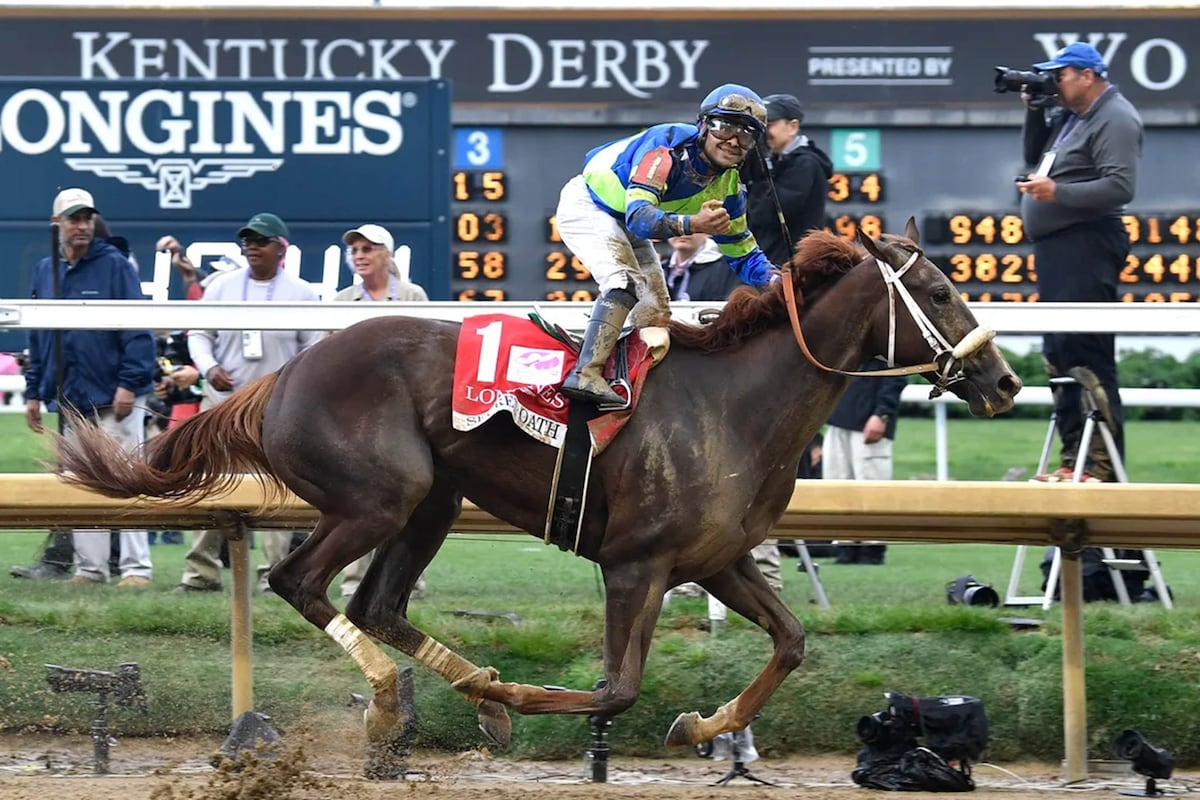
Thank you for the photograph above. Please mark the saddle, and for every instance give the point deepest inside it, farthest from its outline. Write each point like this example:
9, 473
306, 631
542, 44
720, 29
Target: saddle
568, 490
512, 365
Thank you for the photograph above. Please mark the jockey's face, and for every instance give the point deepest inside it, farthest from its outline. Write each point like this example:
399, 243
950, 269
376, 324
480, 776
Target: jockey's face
726, 144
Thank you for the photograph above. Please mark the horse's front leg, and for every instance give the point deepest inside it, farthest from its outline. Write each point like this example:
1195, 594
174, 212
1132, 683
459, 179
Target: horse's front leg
634, 594
743, 588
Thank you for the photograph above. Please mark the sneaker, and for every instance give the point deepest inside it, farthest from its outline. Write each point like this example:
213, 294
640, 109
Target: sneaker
187, 588
84, 580
133, 582
41, 571
1064, 475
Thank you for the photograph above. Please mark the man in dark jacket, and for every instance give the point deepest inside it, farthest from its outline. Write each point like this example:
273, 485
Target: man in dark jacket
858, 444
800, 171
106, 375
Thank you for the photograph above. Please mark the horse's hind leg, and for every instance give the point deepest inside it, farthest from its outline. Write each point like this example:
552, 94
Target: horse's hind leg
632, 607
380, 604
742, 587
303, 578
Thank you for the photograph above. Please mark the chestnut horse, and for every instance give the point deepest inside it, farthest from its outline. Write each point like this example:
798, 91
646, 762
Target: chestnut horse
359, 426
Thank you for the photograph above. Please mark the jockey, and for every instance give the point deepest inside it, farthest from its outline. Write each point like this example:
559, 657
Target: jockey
669, 180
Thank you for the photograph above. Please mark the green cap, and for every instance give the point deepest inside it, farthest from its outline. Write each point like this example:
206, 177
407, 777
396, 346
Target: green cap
267, 225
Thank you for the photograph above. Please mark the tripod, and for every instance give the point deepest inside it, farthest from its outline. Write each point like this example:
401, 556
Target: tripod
1094, 423
738, 740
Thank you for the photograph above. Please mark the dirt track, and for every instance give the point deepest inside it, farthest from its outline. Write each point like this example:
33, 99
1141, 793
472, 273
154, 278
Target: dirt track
37, 767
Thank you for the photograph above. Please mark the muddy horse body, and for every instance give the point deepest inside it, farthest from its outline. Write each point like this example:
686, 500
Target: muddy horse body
360, 427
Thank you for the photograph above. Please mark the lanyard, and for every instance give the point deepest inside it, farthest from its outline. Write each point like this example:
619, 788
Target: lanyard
393, 290
270, 286
1074, 118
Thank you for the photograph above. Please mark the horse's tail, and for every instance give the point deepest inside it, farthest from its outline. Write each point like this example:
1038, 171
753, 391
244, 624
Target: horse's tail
203, 456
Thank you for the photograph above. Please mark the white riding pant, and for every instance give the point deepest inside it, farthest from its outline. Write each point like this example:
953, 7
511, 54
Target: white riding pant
92, 544
616, 258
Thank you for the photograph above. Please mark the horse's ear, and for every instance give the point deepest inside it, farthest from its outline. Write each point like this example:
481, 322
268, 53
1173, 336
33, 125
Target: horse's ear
869, 244
911, 232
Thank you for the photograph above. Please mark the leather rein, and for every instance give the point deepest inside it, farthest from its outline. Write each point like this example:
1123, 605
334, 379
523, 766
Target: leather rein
947, 358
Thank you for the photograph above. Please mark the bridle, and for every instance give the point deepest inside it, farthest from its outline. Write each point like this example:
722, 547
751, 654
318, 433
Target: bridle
947, 358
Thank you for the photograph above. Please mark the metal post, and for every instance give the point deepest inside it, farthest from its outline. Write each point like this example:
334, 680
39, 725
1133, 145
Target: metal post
941, 438
1074, 692
241, 628
59, 370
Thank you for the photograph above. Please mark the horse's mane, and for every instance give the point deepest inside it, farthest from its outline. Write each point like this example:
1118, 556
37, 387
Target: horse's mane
820, 259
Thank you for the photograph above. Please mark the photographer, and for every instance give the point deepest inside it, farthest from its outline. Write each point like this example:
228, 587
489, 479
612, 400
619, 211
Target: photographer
1084, 158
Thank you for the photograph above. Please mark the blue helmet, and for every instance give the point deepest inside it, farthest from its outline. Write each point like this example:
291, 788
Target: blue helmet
735, 102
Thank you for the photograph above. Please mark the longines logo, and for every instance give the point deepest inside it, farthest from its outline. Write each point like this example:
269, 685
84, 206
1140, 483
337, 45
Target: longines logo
174, 178
177, 143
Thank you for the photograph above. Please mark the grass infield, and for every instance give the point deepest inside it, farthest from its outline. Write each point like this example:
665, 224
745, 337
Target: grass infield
890, 628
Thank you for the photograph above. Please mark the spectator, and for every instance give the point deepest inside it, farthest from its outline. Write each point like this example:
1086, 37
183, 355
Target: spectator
1086, 155
177, 381
370, 253
669, 180
800, 172
858, 444
195, 279
228, 360
107, 375
696, 269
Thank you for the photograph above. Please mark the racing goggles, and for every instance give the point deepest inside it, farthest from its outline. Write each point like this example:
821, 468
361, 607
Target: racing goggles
724, 130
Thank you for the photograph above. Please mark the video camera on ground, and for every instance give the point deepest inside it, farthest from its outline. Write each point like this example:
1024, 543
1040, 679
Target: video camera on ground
955, 733
1041, 86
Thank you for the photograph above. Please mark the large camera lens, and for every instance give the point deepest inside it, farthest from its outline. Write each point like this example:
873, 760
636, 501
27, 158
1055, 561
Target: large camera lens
1016, 80
873, 729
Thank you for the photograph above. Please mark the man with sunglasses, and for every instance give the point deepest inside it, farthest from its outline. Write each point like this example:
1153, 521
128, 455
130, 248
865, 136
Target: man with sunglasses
669, 180
229, 360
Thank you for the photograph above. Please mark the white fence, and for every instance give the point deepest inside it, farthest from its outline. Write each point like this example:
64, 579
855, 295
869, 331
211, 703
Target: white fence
1010, 318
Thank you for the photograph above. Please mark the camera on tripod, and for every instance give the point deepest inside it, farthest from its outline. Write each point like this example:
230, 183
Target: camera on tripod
1040, 86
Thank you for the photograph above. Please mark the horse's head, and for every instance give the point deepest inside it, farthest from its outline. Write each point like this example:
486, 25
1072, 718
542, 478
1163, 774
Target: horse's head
923, 319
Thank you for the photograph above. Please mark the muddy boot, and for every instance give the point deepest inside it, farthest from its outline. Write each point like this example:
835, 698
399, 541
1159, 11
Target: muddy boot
586, 382
1091, 384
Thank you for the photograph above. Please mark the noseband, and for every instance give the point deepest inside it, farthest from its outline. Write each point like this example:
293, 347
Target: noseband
947, 358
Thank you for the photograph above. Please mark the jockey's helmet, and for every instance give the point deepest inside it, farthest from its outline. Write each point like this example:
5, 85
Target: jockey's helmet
735, 103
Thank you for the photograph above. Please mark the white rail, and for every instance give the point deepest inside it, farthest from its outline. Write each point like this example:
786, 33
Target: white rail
1005, 318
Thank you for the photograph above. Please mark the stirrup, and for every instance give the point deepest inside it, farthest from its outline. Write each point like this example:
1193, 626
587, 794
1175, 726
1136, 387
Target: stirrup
624, 404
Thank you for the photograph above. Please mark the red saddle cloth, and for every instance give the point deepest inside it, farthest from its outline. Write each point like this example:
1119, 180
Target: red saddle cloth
507, 363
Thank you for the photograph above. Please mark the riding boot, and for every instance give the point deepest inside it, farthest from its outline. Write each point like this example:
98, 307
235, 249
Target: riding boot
586, 382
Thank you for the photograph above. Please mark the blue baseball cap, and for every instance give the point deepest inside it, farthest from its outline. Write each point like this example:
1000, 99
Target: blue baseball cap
1078, 55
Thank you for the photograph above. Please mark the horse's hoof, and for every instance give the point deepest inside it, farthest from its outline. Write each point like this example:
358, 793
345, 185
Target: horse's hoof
684, 730
379, 722
391, 714
495, 724
475, 684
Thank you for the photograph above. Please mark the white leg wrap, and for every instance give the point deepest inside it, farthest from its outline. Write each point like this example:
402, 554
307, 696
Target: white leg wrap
444, 661
380, 671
